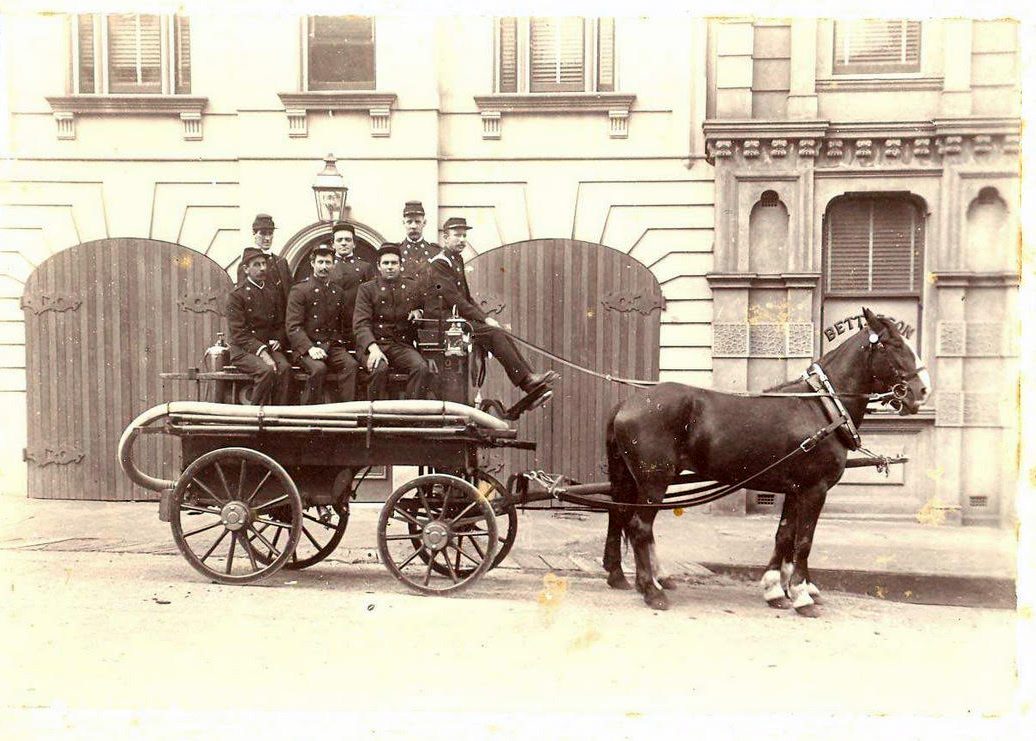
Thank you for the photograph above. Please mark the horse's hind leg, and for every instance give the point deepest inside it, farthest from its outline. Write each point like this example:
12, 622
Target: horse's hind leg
808, 511
617, 520
778, 570
643, 541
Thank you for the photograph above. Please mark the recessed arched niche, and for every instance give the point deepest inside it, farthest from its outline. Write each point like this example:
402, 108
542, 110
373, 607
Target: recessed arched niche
768, 235
987, 245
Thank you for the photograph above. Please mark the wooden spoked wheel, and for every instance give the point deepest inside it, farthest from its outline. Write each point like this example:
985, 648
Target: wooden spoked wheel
323, 526
218, 505
437, 521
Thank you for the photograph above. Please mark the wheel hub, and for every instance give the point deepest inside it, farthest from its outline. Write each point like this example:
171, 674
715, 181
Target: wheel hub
435, 535
235, 515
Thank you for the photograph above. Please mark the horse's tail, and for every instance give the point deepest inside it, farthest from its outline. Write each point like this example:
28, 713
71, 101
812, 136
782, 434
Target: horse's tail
624, 486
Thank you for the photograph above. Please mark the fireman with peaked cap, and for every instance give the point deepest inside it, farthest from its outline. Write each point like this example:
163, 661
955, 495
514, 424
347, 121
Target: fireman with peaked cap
349, 273
414, 250
314, 324
278, 273
255, 313
446, 286
386, 308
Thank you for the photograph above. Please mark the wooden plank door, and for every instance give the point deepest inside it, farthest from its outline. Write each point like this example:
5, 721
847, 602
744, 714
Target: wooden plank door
585, 302
103, 319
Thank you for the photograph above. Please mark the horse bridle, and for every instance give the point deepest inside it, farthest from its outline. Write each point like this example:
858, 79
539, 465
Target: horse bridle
897, 392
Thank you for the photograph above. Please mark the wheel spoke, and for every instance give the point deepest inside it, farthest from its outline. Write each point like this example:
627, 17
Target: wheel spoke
214, 545
463, 512
318, 521
274, 523
241, 478
230, 553
207, 490
424, 501
410, 558
223, 480
408, 536
272, 547
272, 502
203, 529
428, 571
449, 566
251, 554
407, 515
445, 497
310, 538
255, 491
464, 553
469, 533
481, 553
199, 510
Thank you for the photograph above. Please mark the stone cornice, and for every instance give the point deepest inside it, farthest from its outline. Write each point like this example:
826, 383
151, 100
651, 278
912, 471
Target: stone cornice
964, 279
750, 129
172, 105
555, 102
334, 100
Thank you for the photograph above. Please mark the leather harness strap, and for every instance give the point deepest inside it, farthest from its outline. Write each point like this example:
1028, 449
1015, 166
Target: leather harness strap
819, 382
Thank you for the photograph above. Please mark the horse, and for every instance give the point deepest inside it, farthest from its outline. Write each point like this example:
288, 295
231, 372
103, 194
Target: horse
659, 432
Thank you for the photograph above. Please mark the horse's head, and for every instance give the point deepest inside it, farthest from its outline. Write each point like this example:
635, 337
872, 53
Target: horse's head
894, 365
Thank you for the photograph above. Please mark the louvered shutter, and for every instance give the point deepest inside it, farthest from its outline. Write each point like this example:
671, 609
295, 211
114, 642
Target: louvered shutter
606, 55
341, 53
182, 50
87, 75
874, 245
508, 45
134, 53
556, 55
875, 46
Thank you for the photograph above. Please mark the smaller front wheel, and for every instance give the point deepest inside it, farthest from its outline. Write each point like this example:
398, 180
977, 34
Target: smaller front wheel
437, 534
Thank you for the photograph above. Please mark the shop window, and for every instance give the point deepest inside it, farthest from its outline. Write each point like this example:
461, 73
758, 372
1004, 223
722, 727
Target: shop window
552, 55
339, 52
874, 257
117, 53
877, 46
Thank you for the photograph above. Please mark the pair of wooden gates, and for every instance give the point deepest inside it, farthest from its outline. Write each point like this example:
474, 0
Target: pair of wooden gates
104, 318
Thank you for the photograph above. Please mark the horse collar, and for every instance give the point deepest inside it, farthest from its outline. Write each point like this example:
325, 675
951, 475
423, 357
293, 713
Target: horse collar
819, 382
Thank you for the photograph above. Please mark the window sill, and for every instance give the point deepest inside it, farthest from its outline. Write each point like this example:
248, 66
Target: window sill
378, 105
878, 82
187, 107
616, 105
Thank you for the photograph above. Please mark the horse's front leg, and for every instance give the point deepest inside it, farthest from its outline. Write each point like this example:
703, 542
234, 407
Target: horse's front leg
642, 538
617, 520
778, 570
799, 587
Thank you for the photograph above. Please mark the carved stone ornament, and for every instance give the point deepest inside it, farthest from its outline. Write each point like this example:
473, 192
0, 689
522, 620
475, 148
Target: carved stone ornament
722, 148
42, 302
199, 303
778, 147
60, 456
864, 148
834, 148
922, 147
491, 304
750, 148
808, 148
627, 301
893, 148
950, 145
983, 144
1012, 143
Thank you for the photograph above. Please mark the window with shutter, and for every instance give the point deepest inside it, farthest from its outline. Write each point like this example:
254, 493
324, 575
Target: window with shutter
340, 53
131, 53
876, 46
874, 245
555, 55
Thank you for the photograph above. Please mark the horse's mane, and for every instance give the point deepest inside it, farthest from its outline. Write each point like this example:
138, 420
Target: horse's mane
843, 347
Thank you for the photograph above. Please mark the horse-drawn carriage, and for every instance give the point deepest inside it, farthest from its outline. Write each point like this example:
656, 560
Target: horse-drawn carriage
269, 487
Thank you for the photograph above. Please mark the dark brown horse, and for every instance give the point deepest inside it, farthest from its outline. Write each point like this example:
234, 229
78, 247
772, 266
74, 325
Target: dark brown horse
660, 432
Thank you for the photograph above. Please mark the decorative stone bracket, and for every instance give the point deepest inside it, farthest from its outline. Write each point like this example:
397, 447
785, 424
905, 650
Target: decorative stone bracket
188, 108
616, 105
377, 105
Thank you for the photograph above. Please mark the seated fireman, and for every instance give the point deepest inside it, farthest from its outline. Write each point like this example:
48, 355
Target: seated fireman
314, 324
446, 286
255, 312
386, 308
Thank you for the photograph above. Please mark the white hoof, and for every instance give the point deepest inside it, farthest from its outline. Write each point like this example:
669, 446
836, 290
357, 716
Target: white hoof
771, 584
800, 596
813, 590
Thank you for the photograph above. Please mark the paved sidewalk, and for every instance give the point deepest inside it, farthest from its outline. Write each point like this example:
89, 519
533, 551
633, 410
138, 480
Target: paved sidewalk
896, 560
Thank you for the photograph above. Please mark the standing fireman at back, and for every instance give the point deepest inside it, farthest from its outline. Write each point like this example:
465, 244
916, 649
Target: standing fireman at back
414, 251
278, 272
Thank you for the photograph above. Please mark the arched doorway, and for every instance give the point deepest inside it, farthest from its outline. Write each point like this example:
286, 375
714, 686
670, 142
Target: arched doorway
588, 303
102, 320
296, 250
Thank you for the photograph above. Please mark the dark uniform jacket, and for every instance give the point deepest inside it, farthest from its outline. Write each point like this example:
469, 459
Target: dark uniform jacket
278, 275
413, 256
382, 311
349, 274
255, 316
446, 285
314, 315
